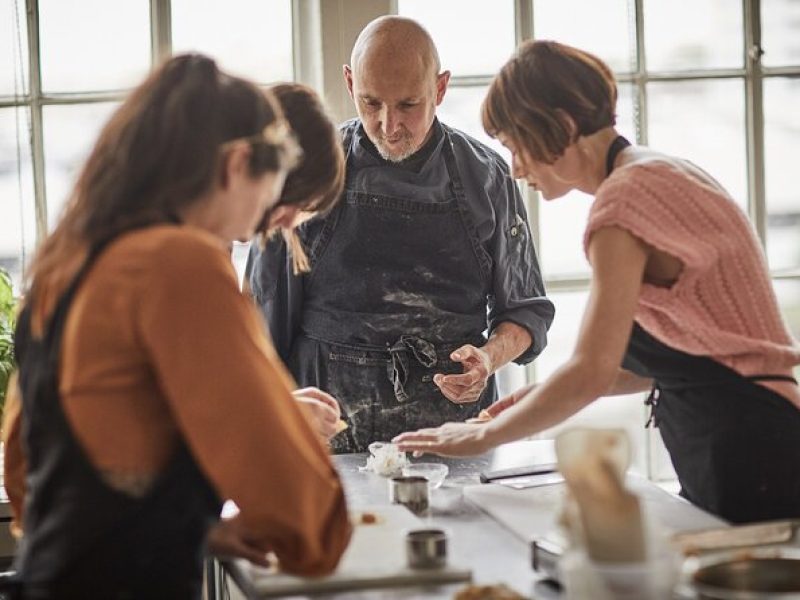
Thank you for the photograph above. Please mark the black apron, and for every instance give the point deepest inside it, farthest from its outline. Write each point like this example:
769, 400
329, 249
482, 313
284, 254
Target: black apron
396, 284
82, 538
735, 444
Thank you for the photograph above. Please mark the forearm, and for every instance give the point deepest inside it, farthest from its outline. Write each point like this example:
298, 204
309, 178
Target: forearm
507, 342
568, 390
629, 383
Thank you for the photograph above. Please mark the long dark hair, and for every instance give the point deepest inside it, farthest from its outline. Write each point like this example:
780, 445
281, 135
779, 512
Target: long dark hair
317, 181
316, 184
160, 152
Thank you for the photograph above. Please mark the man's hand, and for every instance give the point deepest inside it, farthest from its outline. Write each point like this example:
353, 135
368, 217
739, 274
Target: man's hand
451, 439
322, 408
468, 386
227, 539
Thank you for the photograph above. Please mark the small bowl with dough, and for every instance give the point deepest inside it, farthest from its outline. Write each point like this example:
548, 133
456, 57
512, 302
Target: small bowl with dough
435, 473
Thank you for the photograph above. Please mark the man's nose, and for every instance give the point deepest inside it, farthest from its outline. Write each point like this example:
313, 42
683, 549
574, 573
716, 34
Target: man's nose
390, 122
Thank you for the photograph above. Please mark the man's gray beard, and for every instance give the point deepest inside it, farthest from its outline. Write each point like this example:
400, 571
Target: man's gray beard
395, 158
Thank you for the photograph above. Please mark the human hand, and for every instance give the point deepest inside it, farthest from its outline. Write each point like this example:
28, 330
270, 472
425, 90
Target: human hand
228, 539
322, 408
466, 387
496, 408
451, 439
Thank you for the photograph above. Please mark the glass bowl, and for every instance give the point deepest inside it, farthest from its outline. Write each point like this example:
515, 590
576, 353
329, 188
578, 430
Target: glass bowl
435, 473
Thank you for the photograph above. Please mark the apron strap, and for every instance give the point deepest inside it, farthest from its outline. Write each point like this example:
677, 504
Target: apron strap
423, 351
655, 392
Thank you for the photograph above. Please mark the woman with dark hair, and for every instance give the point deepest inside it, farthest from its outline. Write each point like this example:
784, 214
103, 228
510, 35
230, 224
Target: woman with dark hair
318, 179
314, 186
680, 301
316, 182
149, 391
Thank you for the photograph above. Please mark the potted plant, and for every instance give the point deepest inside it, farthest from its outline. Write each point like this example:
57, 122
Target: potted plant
7, 318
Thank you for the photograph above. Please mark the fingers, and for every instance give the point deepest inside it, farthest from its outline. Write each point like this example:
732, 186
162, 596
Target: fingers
419, 442
499, 406
254, 555
322, 412
323, 417
319, 395
426, 435
457, 393
227, 539
464, 353
466, 379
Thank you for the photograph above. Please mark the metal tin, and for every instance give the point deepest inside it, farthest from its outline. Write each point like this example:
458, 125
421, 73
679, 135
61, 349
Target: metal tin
754, 573
410, 491
426, 548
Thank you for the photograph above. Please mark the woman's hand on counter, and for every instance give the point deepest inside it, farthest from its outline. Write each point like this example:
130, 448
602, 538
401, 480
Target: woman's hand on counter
451, 439
228, 539
496, 408
322, 408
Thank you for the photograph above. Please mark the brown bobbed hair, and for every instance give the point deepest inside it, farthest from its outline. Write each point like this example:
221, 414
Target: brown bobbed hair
162, 150
316, 184
542, 83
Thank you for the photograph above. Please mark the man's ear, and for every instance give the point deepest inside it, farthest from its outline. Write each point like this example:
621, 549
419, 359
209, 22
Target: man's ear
348, 80
442, 79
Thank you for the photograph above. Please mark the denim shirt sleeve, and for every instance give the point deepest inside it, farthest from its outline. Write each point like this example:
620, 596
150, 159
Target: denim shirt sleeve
518, 293
277, 292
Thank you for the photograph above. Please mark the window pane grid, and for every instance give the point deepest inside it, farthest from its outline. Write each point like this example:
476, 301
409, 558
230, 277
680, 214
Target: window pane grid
640, 61
50, 84
654, 72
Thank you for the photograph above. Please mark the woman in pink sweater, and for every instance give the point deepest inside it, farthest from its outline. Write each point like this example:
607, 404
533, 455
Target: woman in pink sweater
681, 301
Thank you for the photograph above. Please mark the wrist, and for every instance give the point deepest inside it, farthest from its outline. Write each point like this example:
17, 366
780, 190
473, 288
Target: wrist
492, 359
491, 435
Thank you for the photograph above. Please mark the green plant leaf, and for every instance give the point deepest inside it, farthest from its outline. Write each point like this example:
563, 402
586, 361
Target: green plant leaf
7, 317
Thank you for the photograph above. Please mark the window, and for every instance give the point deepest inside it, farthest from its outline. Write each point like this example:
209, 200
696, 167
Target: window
689, 85
252, 38
57, 94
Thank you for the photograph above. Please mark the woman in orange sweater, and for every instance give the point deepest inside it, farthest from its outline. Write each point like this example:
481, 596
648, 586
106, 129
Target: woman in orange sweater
149, 392
680, 301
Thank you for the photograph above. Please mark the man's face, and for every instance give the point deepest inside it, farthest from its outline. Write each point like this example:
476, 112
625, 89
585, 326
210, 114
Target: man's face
396, 101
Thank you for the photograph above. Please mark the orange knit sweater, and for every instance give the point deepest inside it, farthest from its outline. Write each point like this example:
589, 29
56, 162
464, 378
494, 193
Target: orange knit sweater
722, 305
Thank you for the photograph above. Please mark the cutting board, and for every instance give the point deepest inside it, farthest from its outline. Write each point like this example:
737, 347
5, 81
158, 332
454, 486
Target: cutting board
375, 558
532, 512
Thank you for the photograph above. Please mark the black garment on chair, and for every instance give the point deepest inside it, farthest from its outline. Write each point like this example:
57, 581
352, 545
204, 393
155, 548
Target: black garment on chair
735, 444
82, 538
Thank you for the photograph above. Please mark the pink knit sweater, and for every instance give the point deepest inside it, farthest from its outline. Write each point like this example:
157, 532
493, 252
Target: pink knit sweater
722, 305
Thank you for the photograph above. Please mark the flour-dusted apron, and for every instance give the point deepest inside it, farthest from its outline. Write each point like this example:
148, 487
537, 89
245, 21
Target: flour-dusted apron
399, 280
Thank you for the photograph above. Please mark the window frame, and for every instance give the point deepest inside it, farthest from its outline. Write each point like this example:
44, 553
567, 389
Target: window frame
322, 35
752, 73
35, 99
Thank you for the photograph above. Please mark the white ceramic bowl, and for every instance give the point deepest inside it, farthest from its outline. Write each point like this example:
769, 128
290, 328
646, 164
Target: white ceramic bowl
435, 473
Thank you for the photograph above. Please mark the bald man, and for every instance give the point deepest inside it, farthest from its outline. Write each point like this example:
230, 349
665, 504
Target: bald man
428, 250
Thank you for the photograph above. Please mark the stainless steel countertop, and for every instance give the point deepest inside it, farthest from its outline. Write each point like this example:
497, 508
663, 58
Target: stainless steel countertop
477, 541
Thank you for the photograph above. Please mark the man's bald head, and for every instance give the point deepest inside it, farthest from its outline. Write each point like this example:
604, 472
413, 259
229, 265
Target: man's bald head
393, 39
395, 82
